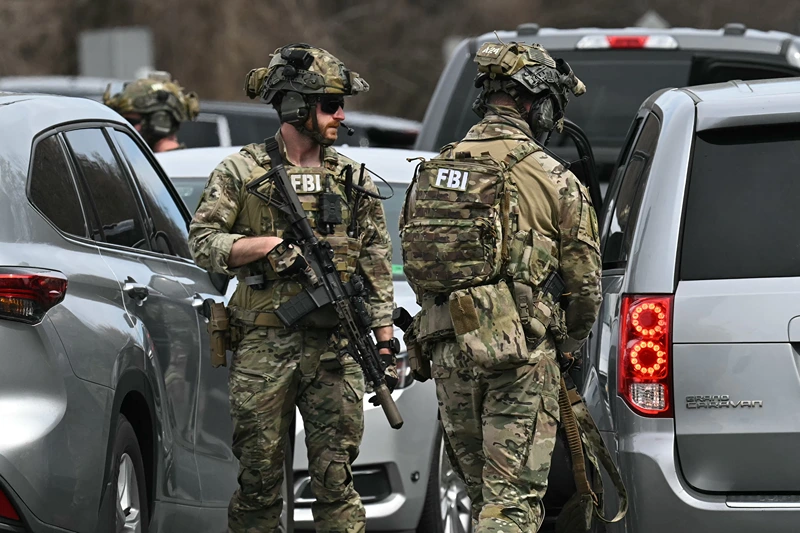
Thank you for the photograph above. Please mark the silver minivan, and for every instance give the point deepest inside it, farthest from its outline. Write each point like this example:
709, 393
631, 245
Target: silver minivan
695, 360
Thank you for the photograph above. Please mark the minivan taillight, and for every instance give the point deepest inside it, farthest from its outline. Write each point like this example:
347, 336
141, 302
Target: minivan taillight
26, 294
645, 357
6, 509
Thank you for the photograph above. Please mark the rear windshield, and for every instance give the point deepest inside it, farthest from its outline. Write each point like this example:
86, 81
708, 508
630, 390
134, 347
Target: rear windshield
617, 83
742, 218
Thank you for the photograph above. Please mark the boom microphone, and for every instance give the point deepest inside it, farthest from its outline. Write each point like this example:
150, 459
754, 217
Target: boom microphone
350, 131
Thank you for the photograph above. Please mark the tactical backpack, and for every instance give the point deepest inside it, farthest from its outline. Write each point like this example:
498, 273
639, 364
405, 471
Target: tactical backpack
460, 213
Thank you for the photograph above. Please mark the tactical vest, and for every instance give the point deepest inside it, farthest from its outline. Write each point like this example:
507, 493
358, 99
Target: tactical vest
257, 218
461, 215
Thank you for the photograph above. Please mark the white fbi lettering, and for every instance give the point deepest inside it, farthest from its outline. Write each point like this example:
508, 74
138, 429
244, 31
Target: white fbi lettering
306, 183
448, 178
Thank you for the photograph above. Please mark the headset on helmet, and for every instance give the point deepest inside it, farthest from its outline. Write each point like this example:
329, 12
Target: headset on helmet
297, 76
159, 100
521, 70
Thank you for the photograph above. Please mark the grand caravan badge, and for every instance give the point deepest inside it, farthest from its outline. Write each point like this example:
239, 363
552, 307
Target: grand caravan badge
721, 401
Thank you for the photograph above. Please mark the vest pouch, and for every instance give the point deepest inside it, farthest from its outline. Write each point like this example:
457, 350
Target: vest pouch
487, 326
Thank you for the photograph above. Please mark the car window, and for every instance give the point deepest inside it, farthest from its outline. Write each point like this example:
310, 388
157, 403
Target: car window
628, 190
113, 201
190, 190
171, 236
741, 209
198, 134
52, 189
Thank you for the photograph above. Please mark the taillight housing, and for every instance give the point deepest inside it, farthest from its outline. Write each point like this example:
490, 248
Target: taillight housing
645, 354
7, 510
596, 42
26, 294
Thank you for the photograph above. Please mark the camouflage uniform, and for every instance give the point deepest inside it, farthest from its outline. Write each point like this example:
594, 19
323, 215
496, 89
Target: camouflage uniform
273, 369
159, 100
498, 400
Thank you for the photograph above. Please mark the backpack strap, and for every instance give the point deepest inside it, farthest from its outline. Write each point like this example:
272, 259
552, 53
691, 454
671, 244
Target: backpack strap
520, 152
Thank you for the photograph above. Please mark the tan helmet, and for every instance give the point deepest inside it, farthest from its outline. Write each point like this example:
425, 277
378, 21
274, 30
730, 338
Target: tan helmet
519, 68
297, 76
158, 99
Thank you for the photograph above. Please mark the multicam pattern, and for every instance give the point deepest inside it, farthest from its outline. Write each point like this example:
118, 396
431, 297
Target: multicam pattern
501, 422
500, 428
271, 371
326, 75
227, 212
157, 92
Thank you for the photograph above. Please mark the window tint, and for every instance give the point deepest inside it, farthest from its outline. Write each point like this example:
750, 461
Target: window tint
52, 189
741, 210
200, 133
171, 234
627, 193
107, 188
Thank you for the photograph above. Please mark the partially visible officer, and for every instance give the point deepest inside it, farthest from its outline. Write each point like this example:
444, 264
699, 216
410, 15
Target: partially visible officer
274, 369
500, 244
155, 105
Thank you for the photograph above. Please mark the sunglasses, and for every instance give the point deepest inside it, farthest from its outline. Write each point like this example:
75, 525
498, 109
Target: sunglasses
331, 104
134, 121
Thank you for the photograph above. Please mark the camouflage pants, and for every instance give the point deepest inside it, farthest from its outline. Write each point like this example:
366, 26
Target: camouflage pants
269, 376
500, 429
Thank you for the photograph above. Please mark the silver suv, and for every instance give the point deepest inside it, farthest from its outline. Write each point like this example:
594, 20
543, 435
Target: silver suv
111, 417
695, 360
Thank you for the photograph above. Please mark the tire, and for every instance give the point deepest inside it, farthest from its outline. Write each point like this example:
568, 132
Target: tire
447, 506
132, 513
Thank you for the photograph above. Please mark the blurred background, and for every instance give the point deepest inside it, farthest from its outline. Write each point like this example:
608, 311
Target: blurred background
399, 46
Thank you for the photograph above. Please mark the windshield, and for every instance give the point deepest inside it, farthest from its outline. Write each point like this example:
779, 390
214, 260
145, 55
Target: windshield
392, 208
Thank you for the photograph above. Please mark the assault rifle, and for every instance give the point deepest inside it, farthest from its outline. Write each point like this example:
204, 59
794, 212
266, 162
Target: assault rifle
324, 286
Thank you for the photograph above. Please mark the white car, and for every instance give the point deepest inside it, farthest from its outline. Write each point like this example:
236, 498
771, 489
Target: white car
403, 476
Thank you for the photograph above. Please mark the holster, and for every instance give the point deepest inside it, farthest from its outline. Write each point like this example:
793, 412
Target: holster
218, 331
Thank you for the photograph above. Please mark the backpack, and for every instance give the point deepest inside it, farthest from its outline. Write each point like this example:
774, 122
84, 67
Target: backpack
459, 216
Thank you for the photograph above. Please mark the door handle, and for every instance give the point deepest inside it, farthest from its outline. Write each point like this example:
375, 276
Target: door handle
137, 291
197, 302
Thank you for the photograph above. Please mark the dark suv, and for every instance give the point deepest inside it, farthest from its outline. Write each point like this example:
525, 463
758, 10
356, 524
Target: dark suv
621, 68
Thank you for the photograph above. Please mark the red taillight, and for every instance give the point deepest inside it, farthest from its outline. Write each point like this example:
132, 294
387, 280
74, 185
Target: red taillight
6, 509
26, 294
626, 41
645, 356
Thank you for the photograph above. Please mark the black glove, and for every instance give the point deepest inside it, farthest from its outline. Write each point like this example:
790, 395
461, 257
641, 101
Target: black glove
390, 375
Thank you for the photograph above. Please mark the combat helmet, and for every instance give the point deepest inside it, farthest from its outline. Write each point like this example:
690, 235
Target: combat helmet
297, 77
159, 100
517, 69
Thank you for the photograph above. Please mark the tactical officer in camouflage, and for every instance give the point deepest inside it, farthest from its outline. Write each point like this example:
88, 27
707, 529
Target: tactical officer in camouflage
274, 369
500, 244
155, 106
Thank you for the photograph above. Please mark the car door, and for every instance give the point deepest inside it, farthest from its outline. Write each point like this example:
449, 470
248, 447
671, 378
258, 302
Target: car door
152, 294
617, 221
213, 428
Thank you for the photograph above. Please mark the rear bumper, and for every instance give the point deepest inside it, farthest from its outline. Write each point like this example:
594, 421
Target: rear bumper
397, 460
28, 522
662, 502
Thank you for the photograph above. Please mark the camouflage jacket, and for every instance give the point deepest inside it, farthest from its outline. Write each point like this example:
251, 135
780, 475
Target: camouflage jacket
227, 213
553, 205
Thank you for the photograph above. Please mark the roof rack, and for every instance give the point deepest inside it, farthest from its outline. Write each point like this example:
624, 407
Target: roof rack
528, 28
734, 28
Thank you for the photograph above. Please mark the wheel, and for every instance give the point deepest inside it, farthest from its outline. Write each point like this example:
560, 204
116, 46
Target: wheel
132, 513
447, 506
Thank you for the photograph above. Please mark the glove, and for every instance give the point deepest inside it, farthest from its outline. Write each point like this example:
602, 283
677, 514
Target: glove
390, 375
286, 259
